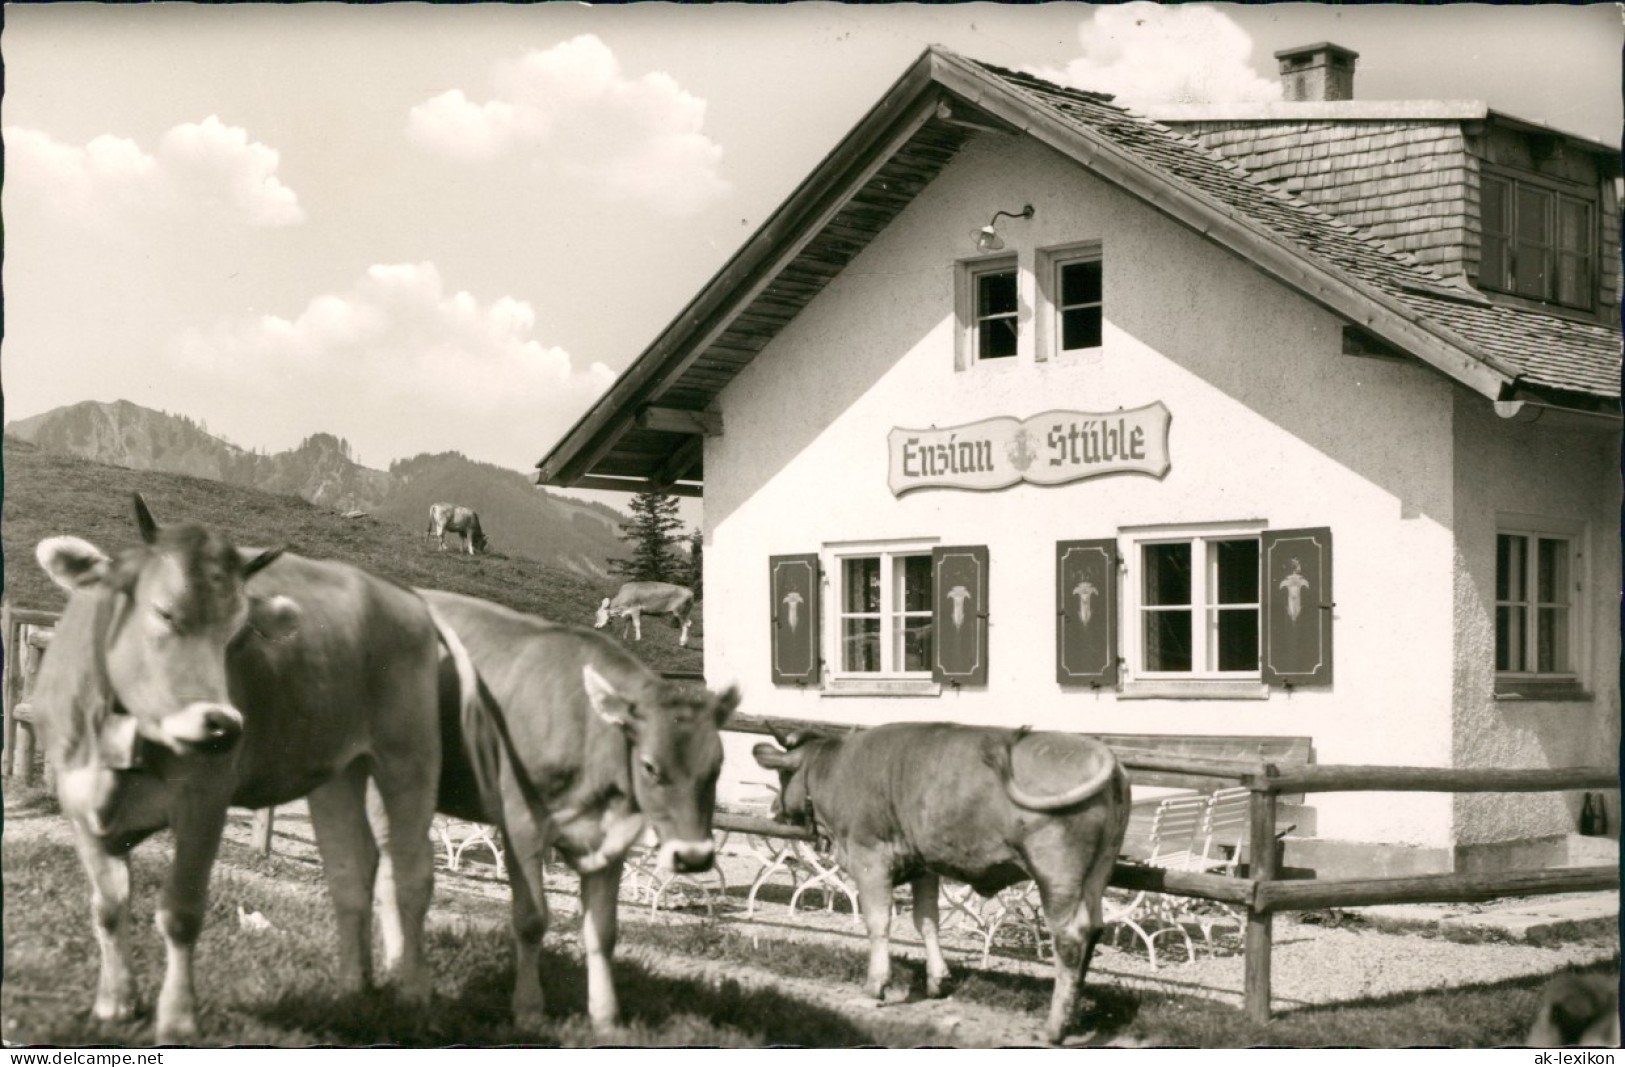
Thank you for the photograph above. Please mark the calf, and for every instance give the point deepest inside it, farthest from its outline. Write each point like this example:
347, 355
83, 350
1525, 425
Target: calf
576, 747
636, 599
911, 802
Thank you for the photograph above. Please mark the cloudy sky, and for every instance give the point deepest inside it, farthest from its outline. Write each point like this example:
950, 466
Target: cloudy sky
429, 228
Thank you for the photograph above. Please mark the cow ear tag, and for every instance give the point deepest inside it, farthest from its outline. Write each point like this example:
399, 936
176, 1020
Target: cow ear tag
119, 743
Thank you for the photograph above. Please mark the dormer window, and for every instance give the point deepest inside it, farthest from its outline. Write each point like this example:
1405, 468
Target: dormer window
1538, 241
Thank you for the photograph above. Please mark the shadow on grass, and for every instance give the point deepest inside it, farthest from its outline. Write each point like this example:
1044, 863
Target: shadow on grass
657, 1010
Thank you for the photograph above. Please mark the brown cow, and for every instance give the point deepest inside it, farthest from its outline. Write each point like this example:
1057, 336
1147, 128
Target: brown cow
183, 679
578, 745
989, 807
454, 518
1577, 1009
633, 600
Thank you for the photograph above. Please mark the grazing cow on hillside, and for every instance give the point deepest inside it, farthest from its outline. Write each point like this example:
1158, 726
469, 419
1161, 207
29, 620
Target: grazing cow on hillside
577, 744
637, 599
990, 807
184, 677
454, 518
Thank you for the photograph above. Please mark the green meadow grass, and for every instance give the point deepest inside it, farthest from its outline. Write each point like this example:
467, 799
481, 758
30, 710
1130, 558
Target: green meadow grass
277, 987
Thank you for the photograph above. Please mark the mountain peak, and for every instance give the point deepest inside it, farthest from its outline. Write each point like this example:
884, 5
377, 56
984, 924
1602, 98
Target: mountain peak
520, 520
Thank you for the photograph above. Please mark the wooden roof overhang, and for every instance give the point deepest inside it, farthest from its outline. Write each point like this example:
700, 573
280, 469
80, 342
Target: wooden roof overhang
647, 432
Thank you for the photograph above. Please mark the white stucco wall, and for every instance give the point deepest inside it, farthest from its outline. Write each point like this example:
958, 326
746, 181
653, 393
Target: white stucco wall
1561, 473
1269, 422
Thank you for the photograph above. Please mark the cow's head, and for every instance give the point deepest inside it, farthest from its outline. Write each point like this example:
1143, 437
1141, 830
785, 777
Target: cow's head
794, 802
676, 756
481, 542
173, 605
601, 620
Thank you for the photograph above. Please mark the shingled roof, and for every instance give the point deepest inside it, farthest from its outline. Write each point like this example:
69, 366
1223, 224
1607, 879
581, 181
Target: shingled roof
645, 432
1538, 349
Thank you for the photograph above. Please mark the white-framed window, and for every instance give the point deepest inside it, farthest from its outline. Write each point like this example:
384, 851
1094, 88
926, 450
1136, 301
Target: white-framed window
1072, 281
1538, 579
989, 310
882, 618
1193, 610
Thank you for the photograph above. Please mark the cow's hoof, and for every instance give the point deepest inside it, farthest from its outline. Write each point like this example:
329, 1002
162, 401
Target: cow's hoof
530, 1021
413, 989
178, 1032
114, 1009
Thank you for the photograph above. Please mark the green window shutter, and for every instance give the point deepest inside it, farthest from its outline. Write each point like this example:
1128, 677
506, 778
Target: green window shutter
1086, 619
794, 584
959, 614
1295, 570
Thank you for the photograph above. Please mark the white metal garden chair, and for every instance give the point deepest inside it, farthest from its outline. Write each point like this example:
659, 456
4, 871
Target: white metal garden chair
456, 837
1177, 837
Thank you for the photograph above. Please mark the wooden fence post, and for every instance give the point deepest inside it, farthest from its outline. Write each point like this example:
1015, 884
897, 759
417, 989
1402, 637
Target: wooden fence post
11, 676
1261, 863
264, 820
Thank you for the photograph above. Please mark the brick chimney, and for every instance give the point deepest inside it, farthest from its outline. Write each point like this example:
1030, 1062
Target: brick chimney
1321, 71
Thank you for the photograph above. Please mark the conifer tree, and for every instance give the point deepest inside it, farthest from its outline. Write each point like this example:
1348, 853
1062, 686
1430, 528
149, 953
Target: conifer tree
651, 535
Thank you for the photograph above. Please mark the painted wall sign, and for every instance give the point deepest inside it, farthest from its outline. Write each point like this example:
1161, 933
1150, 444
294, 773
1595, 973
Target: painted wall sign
1051, 448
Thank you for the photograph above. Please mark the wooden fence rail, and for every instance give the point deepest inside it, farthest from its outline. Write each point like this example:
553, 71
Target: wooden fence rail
1265, 895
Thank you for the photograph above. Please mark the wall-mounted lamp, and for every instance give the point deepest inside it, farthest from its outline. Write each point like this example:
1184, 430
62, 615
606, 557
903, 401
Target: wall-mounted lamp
988, 239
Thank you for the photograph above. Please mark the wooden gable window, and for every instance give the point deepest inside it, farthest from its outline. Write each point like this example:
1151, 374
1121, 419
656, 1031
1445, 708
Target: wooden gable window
1538, 241
989, 310
1071, 283
1079, 307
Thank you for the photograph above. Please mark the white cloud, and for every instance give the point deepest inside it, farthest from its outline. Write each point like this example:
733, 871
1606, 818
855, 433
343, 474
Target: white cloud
111, 181
1146, 53
572, 113
399, 365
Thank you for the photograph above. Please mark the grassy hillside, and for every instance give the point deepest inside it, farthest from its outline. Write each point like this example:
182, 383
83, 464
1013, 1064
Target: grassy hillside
48, 493
519, 518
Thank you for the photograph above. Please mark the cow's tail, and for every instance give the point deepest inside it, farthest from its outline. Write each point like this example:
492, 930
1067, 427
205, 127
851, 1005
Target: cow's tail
996, 753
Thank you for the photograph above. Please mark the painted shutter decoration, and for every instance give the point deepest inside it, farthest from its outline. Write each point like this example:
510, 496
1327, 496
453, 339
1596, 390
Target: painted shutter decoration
794, 583
1086, 612
1296, 572
959, 614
